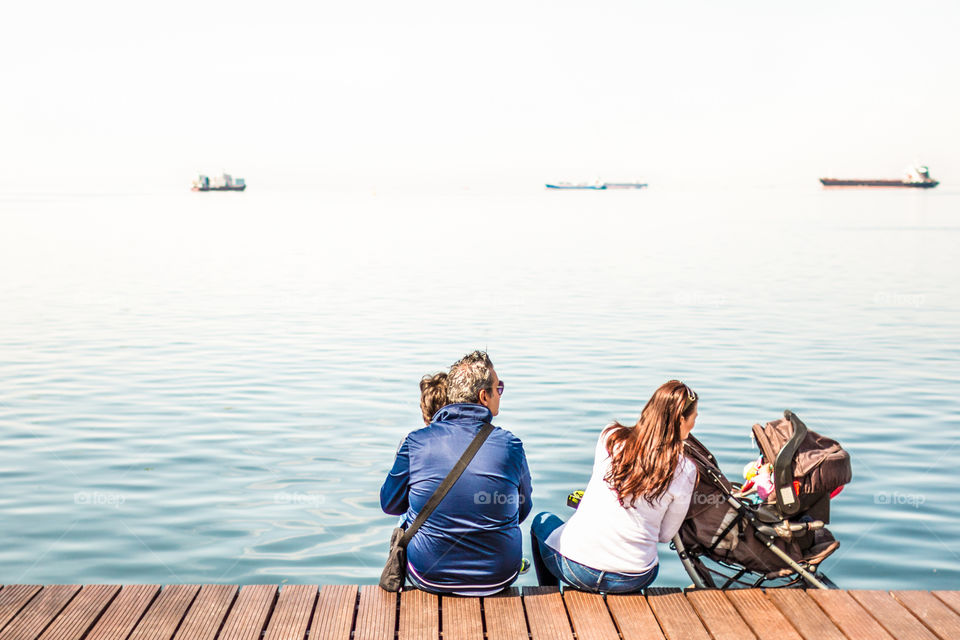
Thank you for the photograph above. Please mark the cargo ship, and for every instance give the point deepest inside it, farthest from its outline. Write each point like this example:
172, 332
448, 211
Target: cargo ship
917, 177
223, 182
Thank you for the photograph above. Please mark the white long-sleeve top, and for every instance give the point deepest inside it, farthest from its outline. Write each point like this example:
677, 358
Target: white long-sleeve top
608, 537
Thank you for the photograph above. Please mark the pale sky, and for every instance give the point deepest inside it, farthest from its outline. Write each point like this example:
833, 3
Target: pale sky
364, 93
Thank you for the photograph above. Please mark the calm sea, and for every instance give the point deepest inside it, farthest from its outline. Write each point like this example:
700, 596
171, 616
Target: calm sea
211, 387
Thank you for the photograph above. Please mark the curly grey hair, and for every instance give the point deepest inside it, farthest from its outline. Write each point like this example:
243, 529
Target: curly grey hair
468, 376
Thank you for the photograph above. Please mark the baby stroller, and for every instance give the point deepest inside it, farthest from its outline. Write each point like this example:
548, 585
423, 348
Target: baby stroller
728, 541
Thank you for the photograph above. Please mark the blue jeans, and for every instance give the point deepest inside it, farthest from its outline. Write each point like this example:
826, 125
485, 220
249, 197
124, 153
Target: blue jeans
552, 567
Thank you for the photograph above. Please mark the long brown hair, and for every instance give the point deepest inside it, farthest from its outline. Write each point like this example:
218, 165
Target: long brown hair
644, 457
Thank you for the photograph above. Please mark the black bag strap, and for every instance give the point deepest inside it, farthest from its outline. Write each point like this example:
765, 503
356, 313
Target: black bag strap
447, 483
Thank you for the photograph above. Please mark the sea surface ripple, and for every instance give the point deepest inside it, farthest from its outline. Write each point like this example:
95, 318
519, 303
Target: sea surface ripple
211, 387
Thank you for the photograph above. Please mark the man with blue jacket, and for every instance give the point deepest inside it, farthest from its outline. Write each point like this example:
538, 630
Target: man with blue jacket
471, 544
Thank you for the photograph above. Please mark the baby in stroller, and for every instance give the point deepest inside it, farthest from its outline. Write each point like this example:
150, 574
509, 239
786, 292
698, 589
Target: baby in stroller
729, 540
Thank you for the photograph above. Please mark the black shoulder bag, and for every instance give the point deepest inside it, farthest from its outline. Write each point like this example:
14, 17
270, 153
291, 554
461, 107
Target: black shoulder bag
395, 571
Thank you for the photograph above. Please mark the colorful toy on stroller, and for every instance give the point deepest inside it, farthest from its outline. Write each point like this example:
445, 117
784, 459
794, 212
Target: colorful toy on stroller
769, 531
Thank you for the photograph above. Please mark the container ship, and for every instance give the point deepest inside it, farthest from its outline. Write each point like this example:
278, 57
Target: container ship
223, 182
916, 177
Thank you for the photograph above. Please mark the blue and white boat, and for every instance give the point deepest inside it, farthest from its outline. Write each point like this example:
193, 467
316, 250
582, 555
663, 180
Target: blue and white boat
595, 185
223, 182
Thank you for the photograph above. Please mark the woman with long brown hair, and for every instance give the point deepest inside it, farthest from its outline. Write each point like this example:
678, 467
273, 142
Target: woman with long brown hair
638, 495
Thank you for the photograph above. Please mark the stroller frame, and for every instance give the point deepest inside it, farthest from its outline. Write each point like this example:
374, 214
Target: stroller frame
799, 574
702, 576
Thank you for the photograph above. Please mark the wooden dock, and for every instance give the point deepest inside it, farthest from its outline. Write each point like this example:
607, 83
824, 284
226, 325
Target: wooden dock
342, 612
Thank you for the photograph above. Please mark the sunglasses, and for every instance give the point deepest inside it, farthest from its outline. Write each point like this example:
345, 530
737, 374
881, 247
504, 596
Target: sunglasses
500, 388
691, 397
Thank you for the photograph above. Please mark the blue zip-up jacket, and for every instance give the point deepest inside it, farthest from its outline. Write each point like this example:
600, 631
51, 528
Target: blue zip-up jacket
472, 539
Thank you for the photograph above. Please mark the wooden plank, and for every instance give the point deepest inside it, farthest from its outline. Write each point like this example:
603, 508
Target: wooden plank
932, 612
676, 616
164, 615
546, 614
82, 612
39, 612
892, 616
376, 614
124, 612
248, 616
589, 615
949, 598
461, 618
13, 598
191, 612
845, 612
719, 616
207, 612
804, 614
761, 615
633, 617
333, 616
419, 615
293, 612
503, 614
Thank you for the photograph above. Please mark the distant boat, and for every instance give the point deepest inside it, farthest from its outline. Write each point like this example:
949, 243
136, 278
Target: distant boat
596, 185
917, 177
223, 182
624, 185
